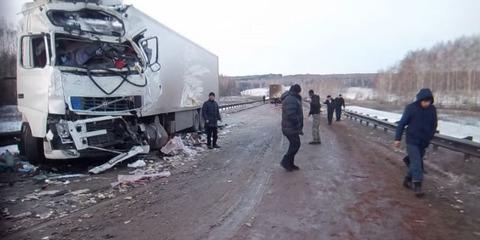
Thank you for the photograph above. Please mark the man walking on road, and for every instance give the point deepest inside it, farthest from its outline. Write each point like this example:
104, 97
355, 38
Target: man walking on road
211, 115
315, 113
292, 125
339, 103
421, 119
330, 108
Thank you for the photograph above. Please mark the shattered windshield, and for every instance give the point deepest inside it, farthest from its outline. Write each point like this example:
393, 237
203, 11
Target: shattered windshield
87, 20
85, 53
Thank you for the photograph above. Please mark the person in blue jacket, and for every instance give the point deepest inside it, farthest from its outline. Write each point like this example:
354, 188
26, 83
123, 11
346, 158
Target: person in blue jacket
420, 118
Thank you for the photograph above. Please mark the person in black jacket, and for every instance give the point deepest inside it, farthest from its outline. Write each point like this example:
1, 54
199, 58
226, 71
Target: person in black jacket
292, 125
421, 119
211, 114
339, 103
315, 113
330, 108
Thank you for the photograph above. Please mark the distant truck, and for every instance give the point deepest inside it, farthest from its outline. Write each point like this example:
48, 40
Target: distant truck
275, 91
98, 76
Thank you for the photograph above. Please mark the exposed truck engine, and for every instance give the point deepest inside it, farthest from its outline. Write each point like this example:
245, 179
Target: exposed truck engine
103, 77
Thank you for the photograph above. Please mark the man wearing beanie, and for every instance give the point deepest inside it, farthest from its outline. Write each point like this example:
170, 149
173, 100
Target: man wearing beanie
421, 119
211, 115
292, 125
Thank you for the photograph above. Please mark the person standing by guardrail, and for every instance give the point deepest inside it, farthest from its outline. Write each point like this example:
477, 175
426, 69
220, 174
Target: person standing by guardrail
292, 125
211, 115
339, 103
315, 113
330, 108
421, 119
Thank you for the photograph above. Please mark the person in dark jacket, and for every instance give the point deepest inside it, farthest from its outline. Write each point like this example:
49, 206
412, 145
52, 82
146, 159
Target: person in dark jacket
292, 125
421, 119
330, 108
211, 115
315, 113
339, 103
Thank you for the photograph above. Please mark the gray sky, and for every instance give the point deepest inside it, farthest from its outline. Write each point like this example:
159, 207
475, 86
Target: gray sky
312, 36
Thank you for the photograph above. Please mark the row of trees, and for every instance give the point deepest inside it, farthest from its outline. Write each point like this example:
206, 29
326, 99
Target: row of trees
8, 46
451, 69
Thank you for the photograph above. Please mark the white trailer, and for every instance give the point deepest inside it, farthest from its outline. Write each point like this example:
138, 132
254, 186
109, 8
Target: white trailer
100, 76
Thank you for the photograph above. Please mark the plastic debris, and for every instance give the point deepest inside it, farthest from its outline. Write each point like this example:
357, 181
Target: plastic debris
22, 215
173, 146
122, 179
120, 158
44, 215
7, 161
27, 168
137, 164
61, 177
80, 192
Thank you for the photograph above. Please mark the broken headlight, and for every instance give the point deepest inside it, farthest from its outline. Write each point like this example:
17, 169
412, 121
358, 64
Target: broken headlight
62, 129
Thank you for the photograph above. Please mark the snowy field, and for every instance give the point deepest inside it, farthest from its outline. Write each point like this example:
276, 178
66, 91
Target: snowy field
10, 119
458, 129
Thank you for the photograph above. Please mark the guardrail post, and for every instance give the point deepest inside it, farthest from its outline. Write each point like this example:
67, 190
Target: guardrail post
385, 129
467, 156
435, 147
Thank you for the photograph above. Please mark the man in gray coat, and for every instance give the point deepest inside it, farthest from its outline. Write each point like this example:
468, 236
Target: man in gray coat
292, 125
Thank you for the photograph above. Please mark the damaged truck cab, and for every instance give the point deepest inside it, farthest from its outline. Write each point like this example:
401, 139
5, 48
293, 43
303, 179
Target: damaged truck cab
102, 77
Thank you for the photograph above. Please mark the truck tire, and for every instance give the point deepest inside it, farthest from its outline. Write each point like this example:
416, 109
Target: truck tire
31, 147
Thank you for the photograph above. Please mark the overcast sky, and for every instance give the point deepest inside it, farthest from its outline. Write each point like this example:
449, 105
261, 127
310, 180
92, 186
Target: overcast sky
312, 36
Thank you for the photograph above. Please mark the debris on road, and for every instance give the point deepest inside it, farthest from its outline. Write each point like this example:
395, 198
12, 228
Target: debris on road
174, 146
124, 179
137, 164
120, 158
22, 215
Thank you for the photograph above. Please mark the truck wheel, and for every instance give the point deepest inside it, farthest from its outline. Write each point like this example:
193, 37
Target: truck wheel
31, 147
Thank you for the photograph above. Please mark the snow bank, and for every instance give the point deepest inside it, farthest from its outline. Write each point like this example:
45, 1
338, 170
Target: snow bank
358, 93
448, 128
255, 92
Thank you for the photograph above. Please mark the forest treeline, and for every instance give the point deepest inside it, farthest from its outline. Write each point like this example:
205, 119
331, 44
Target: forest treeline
451, 69
8, 43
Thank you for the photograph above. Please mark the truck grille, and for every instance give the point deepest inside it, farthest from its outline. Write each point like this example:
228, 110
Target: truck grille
113, 136
106, 104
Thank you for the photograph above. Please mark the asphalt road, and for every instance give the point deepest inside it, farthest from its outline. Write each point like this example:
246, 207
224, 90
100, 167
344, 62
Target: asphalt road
348, 188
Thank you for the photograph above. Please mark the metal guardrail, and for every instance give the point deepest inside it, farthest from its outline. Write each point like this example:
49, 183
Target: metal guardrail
235, 105
465, 146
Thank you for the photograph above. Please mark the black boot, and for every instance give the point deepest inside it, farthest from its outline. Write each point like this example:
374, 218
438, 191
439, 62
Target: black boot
286, 166
417, 188
407, 182
295, 167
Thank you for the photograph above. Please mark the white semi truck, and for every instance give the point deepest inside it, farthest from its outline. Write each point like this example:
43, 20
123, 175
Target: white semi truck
98, 76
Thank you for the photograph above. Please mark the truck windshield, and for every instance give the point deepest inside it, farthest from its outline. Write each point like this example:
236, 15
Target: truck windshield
89, 54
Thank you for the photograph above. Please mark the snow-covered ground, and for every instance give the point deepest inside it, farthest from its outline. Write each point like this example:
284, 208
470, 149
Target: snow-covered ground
10, 119
455, 129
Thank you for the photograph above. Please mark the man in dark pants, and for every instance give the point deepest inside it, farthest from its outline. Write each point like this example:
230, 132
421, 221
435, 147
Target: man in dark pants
211, 114
292, 125
421, 119
330, 108
315, 113
339, 103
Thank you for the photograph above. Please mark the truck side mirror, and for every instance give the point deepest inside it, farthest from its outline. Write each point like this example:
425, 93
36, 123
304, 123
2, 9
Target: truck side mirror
150, 49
